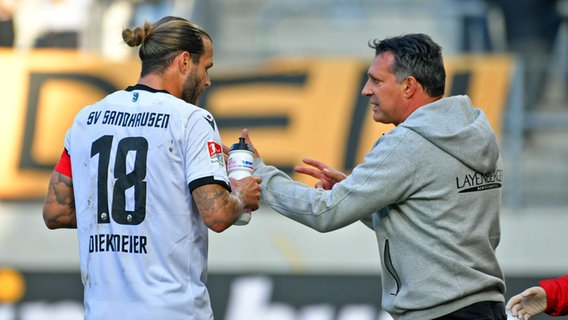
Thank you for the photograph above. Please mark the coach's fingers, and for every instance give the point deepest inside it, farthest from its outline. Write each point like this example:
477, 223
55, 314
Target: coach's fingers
334, 174
328, 171
310, 172
245, 134
323, 183
315, 163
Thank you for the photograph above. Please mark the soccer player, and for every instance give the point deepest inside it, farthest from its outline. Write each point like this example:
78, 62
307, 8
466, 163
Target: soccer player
143, 177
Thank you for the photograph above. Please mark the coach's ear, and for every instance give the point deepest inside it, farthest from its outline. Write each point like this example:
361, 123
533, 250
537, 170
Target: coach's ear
410, 86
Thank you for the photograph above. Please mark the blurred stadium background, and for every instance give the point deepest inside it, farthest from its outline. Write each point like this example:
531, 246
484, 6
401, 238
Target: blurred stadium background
291, 71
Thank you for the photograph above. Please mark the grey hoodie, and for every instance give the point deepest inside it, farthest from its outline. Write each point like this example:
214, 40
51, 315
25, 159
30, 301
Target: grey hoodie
431, 191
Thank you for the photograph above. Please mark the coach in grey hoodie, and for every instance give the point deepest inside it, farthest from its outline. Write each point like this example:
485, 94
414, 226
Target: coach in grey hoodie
430, 189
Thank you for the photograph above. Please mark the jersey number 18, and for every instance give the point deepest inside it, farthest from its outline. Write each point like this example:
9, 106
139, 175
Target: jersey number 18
123, 180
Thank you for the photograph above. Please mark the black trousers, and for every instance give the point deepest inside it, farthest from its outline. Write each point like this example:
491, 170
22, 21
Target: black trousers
485, 310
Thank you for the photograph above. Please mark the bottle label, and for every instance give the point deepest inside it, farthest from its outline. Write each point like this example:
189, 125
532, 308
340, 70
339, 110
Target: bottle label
240, 164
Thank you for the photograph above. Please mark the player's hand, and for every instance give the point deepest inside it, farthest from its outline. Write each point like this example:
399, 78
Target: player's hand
327, 175
248, 189
528, 303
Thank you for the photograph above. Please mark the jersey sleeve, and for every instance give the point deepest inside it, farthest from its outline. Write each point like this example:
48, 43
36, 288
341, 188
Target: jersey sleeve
205, 162
556, 295
64, 164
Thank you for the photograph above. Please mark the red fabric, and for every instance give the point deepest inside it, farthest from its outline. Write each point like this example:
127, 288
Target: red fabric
64, 164
556, 295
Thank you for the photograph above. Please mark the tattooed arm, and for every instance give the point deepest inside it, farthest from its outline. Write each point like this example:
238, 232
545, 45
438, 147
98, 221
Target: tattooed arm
59, 204
219, 209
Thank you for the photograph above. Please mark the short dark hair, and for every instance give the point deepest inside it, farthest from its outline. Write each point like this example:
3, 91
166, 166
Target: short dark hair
416, 55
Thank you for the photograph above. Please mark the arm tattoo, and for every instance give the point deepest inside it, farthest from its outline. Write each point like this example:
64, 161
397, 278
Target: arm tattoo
209, 198
59, 205
61, 186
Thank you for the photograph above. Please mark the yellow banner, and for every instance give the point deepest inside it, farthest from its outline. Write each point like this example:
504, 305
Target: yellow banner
294, 108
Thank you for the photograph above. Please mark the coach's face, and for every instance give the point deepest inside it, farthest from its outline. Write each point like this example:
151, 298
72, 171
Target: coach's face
386, 95
198, 78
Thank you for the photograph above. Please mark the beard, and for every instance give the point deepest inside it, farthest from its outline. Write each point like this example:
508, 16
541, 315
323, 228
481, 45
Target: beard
192, 88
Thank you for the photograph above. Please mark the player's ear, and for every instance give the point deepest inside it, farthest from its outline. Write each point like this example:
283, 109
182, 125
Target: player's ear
184, 61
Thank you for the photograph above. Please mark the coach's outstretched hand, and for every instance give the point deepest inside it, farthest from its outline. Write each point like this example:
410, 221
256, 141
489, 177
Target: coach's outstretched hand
327, 175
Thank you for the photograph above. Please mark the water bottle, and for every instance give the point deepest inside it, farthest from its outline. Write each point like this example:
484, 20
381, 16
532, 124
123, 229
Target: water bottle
241, 159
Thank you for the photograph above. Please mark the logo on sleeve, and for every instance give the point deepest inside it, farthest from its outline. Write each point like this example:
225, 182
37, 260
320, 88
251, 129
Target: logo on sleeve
210, 120
216, 153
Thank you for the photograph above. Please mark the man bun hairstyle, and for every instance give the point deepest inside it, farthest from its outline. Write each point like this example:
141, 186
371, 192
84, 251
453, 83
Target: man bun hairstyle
162, 41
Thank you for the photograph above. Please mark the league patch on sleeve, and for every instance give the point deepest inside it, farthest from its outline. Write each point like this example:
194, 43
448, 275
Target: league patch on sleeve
216, 153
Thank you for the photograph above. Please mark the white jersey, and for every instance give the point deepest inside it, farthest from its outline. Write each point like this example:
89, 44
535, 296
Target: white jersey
135, 156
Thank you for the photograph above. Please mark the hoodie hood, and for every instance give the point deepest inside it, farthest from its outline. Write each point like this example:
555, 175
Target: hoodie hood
464, 131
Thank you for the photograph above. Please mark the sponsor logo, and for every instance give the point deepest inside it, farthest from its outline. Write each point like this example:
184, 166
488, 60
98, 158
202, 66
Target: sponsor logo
215, 153
479, 181
210, 120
